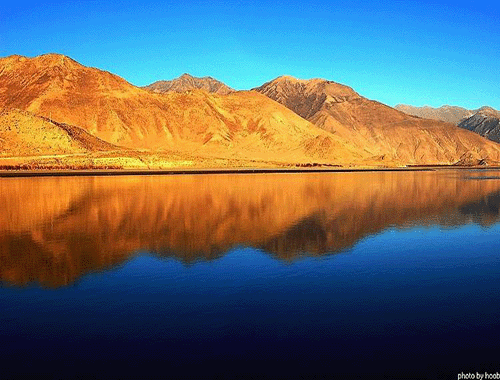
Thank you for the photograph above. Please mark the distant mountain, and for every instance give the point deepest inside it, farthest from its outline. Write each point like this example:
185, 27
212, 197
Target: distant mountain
384, 133
486, 122
187, 82
450, 114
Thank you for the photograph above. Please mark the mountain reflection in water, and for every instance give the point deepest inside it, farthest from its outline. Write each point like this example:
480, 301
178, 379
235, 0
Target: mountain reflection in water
54, 230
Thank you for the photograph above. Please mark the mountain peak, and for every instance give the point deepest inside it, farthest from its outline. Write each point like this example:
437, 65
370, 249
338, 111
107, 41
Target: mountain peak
289, 78
306, 96
317, 84
487, 110
188, 82
292, 79
43, 61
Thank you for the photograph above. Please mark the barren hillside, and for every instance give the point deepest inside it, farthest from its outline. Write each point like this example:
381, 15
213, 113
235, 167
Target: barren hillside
239, 125
380, 131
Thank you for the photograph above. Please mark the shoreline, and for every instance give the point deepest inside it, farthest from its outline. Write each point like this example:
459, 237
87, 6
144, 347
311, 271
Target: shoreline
179, 171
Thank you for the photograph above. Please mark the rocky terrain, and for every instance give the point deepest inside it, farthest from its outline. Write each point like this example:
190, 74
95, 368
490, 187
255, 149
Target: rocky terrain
187, 82
97, 118
486, 122
450, 114
382, 132
242, 125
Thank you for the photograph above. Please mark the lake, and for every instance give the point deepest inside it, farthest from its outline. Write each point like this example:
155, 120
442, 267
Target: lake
280, 275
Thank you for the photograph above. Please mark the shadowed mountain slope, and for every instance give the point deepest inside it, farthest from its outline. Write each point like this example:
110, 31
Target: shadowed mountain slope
485, 122
380, 131
245, 124
449, 114
187, 82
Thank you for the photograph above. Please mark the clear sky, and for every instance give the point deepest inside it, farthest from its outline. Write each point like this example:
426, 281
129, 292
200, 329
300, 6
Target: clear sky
420, 53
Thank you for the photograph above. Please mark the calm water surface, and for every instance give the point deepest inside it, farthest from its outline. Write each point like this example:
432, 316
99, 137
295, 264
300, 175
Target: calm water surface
394, 273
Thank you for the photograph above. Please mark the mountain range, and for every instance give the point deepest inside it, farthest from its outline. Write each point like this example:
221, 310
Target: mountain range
56, 112
450, 114
484, 121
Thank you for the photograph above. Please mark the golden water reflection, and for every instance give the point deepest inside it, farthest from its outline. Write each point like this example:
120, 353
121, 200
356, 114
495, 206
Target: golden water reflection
54, 230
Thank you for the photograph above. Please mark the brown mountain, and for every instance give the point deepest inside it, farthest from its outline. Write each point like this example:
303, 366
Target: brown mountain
450, 114
240, 125
378, 130
187, 82
92, 223
198, 129
486, 122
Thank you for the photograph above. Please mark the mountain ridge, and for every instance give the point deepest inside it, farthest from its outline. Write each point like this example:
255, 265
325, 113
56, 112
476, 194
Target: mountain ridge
484, 121
239, 125
187, 82
371, 126
286, 121
448, 113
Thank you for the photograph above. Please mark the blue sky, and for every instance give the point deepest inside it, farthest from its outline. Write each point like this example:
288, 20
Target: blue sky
420, 53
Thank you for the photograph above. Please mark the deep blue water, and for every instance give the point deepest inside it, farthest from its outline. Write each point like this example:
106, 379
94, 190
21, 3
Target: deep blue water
416, 300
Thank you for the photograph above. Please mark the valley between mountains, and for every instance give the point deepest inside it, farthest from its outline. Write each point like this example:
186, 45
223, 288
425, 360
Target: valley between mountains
58, 114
